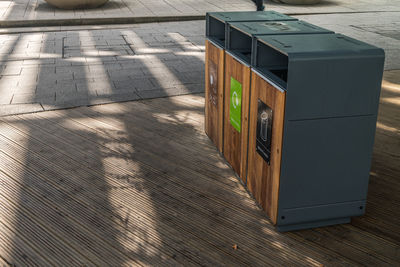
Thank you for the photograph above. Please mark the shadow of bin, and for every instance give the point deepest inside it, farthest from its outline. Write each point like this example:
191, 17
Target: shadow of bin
239, 44
313, 113
215, 59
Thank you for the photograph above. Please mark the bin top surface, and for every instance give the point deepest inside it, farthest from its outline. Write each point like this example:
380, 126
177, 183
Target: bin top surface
277, 27
319, 45
249, 16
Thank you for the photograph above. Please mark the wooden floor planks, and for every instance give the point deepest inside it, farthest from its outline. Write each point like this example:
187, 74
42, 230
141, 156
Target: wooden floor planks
139, 183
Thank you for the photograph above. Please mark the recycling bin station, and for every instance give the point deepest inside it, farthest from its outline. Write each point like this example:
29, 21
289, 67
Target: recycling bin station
293, 108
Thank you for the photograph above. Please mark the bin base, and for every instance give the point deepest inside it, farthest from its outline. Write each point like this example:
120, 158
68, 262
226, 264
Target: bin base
300, 226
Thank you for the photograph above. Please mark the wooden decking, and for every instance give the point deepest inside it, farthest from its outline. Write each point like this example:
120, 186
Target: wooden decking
139, 183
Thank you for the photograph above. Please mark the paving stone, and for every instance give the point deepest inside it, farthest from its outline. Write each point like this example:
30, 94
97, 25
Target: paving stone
27, 81
6, 97
29, 72
62, 62
11, 71
125, 74
84, 74
71, 69
65, 86
7, 110
24, 98
162, 92
8, 82
70, 99
117, 97
192, 77
134, 84
162, 69
62, 104
103, 86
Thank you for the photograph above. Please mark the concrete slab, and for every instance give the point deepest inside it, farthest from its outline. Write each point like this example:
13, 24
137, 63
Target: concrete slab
13, 109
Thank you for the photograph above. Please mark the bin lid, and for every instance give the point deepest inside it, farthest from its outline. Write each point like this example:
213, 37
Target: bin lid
277, 27
249, 16
319, 45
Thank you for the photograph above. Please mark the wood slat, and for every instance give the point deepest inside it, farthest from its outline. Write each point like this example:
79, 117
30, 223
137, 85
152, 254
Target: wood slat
235, 143
58, 225
16, 251
36, 236
236, 219
263, 178
247, 242
214, 94
80, 142
79, 180
239, 217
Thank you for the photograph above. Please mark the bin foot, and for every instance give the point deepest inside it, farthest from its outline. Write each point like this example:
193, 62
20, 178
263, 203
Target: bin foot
300, 226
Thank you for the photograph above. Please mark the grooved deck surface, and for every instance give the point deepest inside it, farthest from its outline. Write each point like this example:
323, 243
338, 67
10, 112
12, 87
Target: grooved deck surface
139, 183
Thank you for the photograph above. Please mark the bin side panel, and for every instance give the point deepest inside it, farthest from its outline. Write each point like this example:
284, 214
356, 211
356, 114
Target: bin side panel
214, 90
334, 87
235, 142
325, 162
263, 178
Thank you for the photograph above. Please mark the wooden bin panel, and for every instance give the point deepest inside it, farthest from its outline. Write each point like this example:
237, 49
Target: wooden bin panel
235, 143
214, 94
263, 179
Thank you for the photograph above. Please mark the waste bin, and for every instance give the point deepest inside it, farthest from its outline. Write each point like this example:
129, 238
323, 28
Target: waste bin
239, 43
215, 56
313, 111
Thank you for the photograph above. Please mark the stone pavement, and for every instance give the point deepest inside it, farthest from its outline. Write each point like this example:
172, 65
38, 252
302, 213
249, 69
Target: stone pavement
38, 12
61, 67
71, 68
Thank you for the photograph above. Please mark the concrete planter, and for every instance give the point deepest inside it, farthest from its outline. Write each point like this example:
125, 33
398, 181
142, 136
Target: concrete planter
298, 2
76, 4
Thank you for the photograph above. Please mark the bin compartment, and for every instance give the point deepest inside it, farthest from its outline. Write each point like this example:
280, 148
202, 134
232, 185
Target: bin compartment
264, 172
271, 63
236, 105
323, 115
214, 71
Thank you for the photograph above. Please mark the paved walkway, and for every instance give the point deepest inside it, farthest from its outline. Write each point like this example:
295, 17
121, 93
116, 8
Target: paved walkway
71, 68
38, 12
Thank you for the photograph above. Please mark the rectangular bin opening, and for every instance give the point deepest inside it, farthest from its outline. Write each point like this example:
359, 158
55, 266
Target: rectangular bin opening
240, 44
271, 63
216, 31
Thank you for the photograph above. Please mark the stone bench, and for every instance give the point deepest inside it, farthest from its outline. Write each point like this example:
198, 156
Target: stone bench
76, 4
